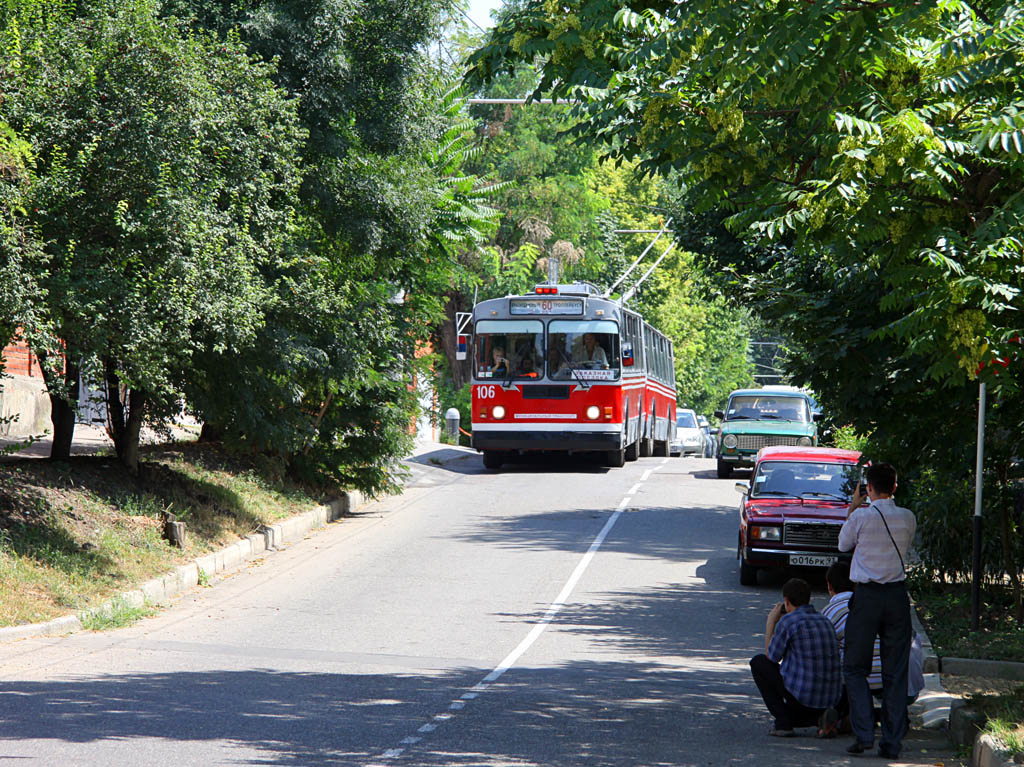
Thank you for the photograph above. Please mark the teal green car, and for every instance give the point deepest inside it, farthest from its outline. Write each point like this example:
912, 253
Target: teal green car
756, 418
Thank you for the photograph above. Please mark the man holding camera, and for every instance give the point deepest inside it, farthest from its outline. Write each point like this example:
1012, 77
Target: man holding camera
799, 674
880, 535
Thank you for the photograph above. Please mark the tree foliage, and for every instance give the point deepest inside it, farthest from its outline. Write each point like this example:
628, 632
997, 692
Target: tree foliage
869, 156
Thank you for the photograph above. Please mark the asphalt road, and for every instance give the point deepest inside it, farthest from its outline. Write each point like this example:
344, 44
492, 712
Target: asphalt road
556, 614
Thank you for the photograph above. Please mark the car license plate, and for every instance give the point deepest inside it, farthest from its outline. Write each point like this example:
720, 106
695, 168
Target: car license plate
812, 560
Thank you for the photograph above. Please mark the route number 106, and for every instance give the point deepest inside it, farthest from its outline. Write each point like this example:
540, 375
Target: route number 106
485, 392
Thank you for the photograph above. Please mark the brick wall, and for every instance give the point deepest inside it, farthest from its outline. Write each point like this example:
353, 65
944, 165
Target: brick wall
20, 361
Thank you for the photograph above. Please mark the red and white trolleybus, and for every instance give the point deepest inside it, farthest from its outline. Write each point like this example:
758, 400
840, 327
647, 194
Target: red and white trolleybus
565, 369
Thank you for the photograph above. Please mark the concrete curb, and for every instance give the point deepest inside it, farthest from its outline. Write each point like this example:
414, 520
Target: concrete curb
989, 752
1000, 669
933, 706
187, 576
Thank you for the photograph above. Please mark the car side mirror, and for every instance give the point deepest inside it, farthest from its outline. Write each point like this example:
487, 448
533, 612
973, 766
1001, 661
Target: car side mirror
742, 488
720, 414
818, 416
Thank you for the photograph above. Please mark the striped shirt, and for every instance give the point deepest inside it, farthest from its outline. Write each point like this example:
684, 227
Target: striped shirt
874, 557
805, 646
837, 611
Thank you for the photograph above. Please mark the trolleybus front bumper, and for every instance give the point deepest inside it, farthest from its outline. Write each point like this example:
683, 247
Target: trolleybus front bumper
547, 440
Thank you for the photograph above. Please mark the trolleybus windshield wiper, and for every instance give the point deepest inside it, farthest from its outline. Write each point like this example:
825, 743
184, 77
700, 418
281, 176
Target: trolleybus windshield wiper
572, 369
513, 367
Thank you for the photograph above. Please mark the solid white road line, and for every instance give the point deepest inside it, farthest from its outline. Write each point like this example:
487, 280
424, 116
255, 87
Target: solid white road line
559, 602
522, 647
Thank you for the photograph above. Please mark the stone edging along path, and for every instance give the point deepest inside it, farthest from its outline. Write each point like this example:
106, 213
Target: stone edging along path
187, 576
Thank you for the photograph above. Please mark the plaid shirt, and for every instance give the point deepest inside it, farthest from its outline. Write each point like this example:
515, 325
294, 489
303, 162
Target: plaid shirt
805, 643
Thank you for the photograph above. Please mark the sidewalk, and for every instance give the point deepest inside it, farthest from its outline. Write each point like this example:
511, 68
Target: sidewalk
89, 439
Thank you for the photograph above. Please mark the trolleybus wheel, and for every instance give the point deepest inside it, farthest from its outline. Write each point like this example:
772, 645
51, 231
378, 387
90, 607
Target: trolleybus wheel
647, 444
646, 447
615, 458
633, 451
493, 459
661, 448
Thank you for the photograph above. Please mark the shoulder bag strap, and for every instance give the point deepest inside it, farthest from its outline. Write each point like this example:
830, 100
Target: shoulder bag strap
902, 566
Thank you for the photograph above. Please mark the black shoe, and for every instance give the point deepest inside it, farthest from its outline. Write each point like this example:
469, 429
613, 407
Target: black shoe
885, 753
857, 748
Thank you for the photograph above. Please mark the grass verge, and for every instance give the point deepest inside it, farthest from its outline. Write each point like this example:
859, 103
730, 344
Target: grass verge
75, 533
945, 610
1004, 716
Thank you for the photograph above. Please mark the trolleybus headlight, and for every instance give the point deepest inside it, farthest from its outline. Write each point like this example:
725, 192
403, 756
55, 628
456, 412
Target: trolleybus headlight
805, 442
593, 412
498, 411
730, 440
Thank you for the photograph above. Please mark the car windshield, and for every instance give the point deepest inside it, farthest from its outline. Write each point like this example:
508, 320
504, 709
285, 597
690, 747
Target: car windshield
583, 349
800, 479
686, 421
768, 407
509, 349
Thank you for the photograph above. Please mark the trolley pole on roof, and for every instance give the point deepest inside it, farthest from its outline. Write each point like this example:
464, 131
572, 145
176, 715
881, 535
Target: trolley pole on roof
632, 291
641, 256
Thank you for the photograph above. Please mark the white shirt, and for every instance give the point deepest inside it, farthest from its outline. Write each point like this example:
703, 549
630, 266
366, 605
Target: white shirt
874, 556
597, 355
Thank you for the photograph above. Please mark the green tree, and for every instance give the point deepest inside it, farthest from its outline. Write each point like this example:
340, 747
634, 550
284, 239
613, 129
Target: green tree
874, 154
164, 167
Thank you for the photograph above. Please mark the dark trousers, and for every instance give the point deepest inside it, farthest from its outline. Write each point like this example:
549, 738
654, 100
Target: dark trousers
882, 610
787, 710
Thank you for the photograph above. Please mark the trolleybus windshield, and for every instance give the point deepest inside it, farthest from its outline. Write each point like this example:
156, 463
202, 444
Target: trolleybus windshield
588, 347
509, 349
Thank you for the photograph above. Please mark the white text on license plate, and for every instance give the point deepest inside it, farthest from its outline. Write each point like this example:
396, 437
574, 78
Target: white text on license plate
812, 560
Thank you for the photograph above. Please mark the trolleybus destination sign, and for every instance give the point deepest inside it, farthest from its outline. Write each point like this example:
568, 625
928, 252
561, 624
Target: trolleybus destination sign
546, 306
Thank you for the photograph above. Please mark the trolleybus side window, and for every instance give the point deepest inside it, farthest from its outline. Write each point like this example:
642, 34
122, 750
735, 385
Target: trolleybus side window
583, 345
509, 349
632, 337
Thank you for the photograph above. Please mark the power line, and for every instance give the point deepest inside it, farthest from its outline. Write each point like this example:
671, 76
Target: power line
470, 20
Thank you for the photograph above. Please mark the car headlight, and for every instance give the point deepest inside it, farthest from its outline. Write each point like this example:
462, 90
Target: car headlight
593, 412
759, 533
805, 442
498, 411
730, 440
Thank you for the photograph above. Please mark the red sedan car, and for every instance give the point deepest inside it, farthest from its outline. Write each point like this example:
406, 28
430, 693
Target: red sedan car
793, 507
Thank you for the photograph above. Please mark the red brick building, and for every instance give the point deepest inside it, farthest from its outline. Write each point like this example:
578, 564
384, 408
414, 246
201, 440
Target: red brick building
23, 394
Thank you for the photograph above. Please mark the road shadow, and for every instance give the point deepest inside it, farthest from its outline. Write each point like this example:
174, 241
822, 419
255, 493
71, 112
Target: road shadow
674, 533
584, 712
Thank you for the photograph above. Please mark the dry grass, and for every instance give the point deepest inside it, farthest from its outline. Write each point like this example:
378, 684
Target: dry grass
75, 533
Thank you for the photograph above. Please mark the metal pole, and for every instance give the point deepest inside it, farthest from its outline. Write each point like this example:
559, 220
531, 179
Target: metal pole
976, 558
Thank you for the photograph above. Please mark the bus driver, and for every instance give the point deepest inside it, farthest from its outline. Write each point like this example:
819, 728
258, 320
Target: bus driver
592, 352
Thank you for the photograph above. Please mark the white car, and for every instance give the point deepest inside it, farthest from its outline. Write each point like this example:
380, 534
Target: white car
689, 438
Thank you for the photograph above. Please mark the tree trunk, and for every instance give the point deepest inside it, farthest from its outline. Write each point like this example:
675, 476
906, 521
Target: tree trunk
125, 418
211, 433
449, 341
63, 410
